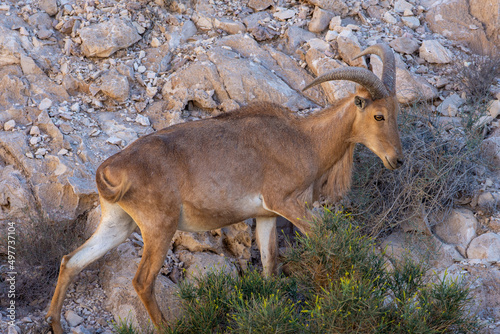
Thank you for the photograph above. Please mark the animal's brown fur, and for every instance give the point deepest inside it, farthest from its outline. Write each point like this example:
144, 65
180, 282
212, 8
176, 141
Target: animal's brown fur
259, 161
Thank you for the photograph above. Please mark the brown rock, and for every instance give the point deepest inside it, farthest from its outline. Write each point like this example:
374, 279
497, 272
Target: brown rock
259, 5
488, 12
338, 7
320, 20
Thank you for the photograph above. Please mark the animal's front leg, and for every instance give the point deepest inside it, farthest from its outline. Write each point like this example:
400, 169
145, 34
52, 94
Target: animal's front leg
267, 242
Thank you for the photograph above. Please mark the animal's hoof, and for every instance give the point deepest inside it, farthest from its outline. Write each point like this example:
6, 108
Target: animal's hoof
48, 320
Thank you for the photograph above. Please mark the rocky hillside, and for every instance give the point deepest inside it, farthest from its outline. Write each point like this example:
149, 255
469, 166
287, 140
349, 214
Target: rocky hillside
81, 79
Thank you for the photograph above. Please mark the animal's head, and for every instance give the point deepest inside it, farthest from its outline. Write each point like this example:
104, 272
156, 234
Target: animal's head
375, 105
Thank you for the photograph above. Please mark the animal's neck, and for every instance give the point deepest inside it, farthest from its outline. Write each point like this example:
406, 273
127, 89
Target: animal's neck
330, 133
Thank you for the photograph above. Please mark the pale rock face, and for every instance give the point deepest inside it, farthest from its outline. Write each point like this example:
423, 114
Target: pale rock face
486, 246
433, 52
104, 39
115, 86
459, 228
320, 20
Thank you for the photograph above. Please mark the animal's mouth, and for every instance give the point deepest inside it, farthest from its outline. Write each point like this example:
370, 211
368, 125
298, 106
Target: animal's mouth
390, 164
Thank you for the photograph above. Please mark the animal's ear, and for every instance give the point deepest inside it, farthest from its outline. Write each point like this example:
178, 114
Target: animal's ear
360, 102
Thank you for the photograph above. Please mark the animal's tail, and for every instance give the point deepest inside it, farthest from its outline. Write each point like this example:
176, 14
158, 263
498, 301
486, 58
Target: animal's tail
112, 185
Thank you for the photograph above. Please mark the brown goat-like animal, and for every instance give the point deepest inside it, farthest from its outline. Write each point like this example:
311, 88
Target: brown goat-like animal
260, 161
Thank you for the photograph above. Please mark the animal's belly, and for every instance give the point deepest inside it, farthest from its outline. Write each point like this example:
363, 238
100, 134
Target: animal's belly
198, 217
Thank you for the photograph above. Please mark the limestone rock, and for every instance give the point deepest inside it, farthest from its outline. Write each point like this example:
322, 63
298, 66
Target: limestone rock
115, 86
320, 20
349, 47
198, 242
116, 273
389, 18
405, 44
9, 125
104, 39
339, 7
490, 149
433, 52
72, 318
451, 19
199, 264
320, 64
409, 87
296, 36
411, 22
50, 7
252, 82
450, 105
494, 108
259, 5
400, 6
459, 228
229, 26
254, 24
488, 12
16, 198
486, 246
419, 248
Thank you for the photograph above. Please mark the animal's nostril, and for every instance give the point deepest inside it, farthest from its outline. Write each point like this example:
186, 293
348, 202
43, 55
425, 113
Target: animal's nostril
400, 162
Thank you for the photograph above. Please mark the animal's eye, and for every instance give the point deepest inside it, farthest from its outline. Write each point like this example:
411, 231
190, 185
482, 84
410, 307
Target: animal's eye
379, 118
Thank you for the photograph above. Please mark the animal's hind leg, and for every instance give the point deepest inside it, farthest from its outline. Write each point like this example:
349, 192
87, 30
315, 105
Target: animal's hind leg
157, 234
115, 226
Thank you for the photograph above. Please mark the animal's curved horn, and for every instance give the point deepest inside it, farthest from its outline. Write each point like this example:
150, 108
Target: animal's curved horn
389, 64
359, 75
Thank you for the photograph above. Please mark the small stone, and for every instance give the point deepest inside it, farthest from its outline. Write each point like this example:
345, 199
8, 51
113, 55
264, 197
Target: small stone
285, 14
40, 152
494, 108
4, 7
433, 52
141, 69
259, 5
151, 91
75, 107
389, 18
115, 141
35, 140
401, 6
331, 36
35, 130
406, 45
155, 42
320, 20
229, 26
23, 31
63, 151
411, 22
450, 105
45, 104
72, 318
49, 6
486, 246
336, 21
9, 125
29, 155
143, 120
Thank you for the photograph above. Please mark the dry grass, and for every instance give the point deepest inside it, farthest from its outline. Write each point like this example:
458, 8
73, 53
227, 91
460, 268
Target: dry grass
41, 246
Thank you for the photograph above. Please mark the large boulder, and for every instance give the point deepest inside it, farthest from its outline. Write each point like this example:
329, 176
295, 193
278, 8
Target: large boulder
459, 228
488, 12
104, 39
116, 273
452, 19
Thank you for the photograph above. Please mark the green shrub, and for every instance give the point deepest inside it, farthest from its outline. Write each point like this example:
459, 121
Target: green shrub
338, 284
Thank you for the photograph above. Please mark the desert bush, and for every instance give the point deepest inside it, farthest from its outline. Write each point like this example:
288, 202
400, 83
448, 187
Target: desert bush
440, 164
40, 247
